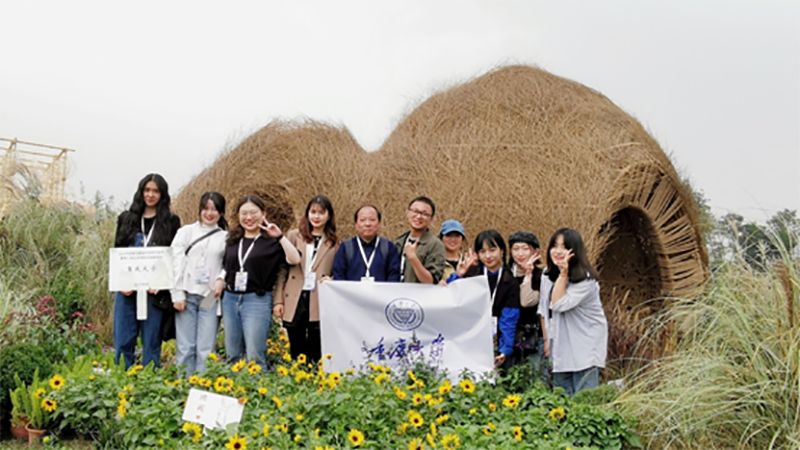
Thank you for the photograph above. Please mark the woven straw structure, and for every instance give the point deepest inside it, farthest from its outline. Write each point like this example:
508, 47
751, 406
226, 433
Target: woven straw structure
517, 148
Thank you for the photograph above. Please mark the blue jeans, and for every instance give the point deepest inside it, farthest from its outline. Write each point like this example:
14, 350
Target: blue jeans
574, 382
540, 362
247, 319
195, 334
127, 329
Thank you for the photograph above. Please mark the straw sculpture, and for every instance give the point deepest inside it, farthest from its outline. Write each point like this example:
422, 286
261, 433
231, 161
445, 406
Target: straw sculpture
517, 148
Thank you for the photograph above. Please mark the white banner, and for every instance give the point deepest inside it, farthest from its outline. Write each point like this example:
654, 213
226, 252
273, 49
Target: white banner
398, 324
140, 268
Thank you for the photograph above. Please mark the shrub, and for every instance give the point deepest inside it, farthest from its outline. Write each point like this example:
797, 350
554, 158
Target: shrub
24, 360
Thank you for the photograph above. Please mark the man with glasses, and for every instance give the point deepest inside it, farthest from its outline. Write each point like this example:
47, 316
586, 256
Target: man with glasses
422, 254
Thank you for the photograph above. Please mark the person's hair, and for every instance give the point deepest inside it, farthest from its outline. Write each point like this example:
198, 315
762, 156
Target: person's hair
579, 266
237, 232
219, 203
355, 216
330, 226
424, 199
494, 239
132, 220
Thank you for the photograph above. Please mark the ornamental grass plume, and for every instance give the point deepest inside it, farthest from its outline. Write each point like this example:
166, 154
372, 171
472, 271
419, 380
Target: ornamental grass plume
734, 379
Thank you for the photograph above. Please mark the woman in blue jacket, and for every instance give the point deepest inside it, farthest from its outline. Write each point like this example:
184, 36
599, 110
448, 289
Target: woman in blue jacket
489, 258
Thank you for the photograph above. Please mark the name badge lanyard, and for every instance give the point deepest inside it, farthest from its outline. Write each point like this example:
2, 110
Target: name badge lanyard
499, 275
364, 255
141, 294
494, 292
403, 257
310, 262
249, 249
146, 237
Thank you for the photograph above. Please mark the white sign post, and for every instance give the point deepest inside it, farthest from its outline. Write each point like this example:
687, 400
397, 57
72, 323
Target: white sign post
139, 269
397, 324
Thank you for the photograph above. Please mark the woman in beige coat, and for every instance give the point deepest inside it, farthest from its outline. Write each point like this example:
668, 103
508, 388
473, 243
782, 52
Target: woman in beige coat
296, 297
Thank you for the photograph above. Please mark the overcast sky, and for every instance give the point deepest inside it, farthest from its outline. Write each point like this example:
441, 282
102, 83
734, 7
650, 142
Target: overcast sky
163, 87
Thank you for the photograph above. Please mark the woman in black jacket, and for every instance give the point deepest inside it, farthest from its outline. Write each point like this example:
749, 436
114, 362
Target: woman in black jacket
147, 223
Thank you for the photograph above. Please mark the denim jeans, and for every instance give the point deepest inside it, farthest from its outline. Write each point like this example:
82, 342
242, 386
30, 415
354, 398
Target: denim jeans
247, 319
195, 334
574, 382
127, 329
540, 362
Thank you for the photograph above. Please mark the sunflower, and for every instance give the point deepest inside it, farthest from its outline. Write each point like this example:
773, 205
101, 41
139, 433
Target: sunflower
416, 444
416, 420
194, 379
283, 371
49, 405
132, 371
518, 433
301, 359
236, 442
39, 393
511, 400
492, 407
450, 441
223, 384
445, 387
356, 437
262, 391
238, 366
213, 357
402, 428
442, 419
194, 430
467, 386
399, 393
417, 399
254, 369
57, 382
278, 401
557, 413
299, 417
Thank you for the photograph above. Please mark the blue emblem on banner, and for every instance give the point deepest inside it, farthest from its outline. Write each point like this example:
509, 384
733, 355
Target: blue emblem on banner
404, 314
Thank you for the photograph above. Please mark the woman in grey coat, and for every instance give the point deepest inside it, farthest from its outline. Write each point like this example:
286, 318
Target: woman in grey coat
576, 330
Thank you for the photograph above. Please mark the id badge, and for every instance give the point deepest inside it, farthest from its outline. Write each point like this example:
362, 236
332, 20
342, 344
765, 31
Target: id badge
310, 282
368, 279
240, 284
203, 275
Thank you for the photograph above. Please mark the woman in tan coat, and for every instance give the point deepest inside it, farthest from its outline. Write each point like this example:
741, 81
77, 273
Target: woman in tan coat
296, 300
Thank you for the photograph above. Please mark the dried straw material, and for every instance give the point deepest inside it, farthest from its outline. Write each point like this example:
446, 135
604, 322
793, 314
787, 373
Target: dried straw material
517, 148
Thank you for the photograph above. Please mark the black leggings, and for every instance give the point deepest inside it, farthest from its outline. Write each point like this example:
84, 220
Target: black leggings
304, 339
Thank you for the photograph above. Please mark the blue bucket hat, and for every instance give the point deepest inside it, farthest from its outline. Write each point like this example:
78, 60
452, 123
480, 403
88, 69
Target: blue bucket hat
452, 225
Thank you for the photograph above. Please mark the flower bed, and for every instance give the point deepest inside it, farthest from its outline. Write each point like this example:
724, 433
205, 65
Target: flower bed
298, 405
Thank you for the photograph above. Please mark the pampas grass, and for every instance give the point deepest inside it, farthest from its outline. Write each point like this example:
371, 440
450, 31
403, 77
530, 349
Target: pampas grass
734, 380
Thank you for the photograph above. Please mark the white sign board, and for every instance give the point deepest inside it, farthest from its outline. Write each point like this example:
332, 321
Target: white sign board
395, 324
212, 410
138, 268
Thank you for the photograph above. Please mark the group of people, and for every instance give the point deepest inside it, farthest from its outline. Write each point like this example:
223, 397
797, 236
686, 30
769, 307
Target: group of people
544, 309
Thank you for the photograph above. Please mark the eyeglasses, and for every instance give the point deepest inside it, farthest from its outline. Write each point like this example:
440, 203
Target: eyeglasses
416, 212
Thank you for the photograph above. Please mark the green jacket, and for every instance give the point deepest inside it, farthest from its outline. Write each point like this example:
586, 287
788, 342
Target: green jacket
431, 253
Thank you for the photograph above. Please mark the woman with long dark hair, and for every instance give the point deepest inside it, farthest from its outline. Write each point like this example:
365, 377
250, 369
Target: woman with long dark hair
576, 330
296, 300
197, 258
255, 251
489, 258
147, 223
